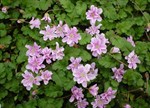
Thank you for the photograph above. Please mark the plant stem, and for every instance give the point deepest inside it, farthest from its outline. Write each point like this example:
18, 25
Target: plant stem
118, 60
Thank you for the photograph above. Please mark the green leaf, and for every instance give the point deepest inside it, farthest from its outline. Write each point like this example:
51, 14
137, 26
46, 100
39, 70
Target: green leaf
30, 12
60, 65
67, 5
114, 83
106, 24
107, 61
106, 72
53, 91
3, 93
122, 2
132, 77
34, 34
85, 38
110, 12
44, 4
80, 7
5, 40
139, 21
140, 82
2, 68
29, 104
140, 4
62, 80
1, 55
117, 56
22, 55
68, 84
106, 85
86, 56
123, 27
50, 103
57, 79
122, 14
139, 46
69, 52
3, 31
13, 85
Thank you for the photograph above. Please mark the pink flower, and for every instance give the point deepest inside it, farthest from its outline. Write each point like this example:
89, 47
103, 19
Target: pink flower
98, 45
37, 80
75, 62
94, 90
93, 72
28, 80
33, 50
98, 102
82, 103
71, 36
60, 29
49, 33
115, 50
46, 18
57, 54
35, 63
108, 95
76, 94
132, 60
118, 73
94, 14
81, 74
130, 39
46, 76
92, 30
35, 23
127, 106
4, 9
102, 100
47, 54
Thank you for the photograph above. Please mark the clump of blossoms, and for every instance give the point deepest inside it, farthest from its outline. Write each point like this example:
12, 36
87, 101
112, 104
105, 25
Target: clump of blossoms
49, 33
68, 35
132, 60
93, 90
98, 45
94, 14
93, 30
103, 99
35, 23
75, 63
118, 73
36, 57
71, 36
82, 74
77, 94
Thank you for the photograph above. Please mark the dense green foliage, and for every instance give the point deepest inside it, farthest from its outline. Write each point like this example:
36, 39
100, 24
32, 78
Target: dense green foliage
121, 18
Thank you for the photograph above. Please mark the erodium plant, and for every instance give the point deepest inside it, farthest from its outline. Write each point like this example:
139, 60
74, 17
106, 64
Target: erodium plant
40, 58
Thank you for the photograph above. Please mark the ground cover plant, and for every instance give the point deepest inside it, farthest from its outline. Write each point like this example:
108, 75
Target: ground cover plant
74, 54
